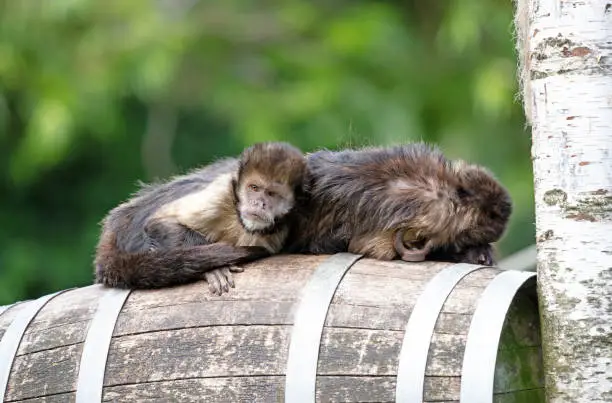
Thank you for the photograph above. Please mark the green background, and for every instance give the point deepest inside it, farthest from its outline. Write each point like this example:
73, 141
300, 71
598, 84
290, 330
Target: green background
95, 95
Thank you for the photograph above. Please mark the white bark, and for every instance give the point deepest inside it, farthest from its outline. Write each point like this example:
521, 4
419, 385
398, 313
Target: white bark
565, 49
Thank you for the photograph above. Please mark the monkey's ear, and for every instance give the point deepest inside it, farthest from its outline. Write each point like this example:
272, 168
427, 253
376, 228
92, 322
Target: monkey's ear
235, 185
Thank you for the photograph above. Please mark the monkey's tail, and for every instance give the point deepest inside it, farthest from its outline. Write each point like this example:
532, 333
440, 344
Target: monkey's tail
165, 268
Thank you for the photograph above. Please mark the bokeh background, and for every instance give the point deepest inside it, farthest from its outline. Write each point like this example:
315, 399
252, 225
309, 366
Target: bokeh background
96, 95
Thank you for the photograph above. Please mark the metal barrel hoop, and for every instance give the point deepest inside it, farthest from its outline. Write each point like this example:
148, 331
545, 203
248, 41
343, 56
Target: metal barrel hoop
420, 328
303, 356
14, 333
478, 371
90, 381
5, 308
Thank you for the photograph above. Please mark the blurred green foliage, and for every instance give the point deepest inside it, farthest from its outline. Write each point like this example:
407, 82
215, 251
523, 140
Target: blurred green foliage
95, 95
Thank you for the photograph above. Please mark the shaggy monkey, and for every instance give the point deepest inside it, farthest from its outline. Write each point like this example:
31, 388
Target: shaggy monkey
404, 201
196, 225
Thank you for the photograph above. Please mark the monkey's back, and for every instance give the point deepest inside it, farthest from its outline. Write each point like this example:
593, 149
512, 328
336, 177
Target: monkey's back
127, 221
349, 192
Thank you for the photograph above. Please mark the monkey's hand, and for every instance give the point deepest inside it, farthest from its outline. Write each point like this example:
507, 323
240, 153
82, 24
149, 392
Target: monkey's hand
412, 253
220, 280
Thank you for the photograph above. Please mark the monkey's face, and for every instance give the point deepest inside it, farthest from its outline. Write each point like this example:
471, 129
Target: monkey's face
461, 208
485, 204
262, 202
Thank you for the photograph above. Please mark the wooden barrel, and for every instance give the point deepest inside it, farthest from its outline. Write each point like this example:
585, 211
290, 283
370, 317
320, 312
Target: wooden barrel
295, 329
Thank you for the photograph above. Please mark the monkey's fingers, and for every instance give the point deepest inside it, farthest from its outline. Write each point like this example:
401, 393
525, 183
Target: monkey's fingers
217, 281
236, 269
227, 275
213, 283
222, 276
417, 255
408, 254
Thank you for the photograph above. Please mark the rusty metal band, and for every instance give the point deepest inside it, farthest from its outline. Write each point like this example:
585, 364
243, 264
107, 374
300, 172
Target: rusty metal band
92, 367
13, 334
478, 371
303, 356
420, 328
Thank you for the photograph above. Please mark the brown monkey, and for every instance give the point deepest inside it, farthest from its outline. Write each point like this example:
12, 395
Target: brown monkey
196, 225
404, 201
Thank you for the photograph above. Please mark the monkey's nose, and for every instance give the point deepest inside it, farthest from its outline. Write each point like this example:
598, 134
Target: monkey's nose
258, 203
484, 260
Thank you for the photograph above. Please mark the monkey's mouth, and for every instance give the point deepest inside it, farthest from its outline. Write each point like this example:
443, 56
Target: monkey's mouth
254, 217
254, 222
411, 251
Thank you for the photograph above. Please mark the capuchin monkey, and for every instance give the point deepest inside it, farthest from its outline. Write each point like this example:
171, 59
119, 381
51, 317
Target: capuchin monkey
202, 224
406, 202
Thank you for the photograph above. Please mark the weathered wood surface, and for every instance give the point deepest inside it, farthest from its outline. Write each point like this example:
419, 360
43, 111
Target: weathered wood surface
184, 344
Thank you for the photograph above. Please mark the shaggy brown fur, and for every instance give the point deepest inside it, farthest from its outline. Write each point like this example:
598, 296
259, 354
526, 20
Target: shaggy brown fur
359, 199
191, 226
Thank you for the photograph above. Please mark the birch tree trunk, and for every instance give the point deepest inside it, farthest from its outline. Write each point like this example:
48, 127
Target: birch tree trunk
565, 50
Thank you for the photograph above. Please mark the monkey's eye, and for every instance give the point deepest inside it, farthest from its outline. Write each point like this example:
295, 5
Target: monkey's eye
271, 193
254, 187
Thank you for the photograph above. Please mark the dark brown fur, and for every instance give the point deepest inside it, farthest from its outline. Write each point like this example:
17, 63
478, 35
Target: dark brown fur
360, 198
474, 254
143, 247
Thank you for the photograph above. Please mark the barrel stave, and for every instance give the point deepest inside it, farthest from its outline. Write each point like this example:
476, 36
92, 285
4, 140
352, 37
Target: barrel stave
44, 373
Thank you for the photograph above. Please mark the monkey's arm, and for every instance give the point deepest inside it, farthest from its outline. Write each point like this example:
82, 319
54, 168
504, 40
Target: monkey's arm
167, 233
164, 268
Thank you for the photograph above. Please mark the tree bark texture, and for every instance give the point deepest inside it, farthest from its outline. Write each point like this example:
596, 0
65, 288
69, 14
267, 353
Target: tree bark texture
565, 52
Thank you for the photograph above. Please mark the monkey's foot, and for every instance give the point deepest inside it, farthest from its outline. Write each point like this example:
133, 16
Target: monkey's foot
220, 280
410, 252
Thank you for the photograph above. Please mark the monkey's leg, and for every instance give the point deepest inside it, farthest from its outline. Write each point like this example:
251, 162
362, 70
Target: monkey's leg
374, 245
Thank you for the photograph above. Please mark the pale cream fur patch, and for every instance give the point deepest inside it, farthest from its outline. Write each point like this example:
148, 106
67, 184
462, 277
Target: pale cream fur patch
427, 189
200, 210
